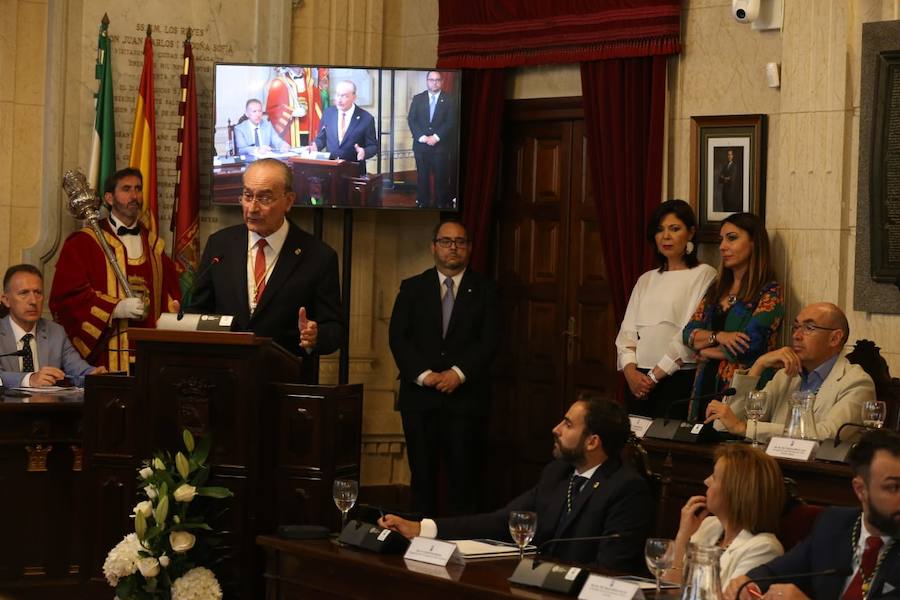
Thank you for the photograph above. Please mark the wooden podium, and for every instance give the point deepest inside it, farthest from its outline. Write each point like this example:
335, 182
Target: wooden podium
276, 444
333, 183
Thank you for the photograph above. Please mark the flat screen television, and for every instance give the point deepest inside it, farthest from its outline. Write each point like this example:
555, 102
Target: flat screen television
360, 137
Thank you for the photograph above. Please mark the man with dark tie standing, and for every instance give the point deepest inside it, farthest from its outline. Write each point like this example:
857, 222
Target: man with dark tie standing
444, 333
586, 491
46, 356
432, 121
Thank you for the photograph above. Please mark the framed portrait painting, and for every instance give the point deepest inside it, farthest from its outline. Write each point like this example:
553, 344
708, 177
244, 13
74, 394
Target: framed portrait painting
727, 169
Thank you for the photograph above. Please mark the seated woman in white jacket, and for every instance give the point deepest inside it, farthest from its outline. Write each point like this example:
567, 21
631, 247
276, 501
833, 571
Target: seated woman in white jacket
740, 513
658, 367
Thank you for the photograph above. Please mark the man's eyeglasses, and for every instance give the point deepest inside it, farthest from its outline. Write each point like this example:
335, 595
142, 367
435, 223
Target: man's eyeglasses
433, 80
447, 242
809, 328
264, 198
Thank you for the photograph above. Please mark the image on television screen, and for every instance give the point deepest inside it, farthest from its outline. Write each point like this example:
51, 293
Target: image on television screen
354, 137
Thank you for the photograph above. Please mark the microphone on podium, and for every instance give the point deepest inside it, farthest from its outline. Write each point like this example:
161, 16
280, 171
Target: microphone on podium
790, 577
213, 262
552, 576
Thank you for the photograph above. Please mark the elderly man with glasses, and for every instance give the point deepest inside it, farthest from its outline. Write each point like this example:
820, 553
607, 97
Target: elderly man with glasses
812, 363
444, 332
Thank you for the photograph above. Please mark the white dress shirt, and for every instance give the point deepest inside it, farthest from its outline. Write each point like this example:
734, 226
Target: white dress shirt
860, 548
18, 332
746, 551
134, 245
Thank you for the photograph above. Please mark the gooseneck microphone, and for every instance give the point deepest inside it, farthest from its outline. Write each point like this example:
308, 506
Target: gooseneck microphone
20, 352
553, 541
714, 396
789, 577
213, 262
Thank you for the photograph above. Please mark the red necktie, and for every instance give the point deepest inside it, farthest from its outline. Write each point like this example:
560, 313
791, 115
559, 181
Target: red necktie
866, 569
343, 128
259, 269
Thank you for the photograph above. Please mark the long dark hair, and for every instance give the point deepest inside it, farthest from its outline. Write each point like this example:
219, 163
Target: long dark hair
759, 271
684, 213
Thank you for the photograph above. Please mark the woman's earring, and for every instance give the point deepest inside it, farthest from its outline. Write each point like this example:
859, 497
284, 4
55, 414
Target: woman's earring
689, 248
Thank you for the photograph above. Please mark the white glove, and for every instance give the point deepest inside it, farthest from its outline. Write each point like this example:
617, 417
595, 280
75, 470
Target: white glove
129, 308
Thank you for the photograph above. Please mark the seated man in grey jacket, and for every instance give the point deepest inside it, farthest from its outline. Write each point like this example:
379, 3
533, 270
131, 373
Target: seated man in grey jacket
41, 352
812, 363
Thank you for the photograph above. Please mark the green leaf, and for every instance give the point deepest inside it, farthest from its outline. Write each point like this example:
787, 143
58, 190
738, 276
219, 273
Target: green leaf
200, 476
188, 440
214, 492
185, 526
201, 452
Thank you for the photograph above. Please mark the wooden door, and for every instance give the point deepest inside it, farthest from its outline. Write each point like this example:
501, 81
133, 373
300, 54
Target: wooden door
559, 327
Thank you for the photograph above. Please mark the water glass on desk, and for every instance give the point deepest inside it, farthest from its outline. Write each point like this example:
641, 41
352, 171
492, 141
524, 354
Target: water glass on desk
522, 525
344, 492
874, 412
659, 554
757, 403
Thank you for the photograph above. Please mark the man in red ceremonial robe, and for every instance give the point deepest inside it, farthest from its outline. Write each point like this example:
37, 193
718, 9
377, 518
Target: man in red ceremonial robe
294, 105
87, 299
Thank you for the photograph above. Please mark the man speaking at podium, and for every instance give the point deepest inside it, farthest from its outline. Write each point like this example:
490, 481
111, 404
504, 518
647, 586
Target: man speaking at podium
586, 491
275, 279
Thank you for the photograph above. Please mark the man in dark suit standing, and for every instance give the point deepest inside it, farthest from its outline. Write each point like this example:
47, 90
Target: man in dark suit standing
586, 491
444, 333
861, 545
432, 121
730, 180
346, 130
275, 279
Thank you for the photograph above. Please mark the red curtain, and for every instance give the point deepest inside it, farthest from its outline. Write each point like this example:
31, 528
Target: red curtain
624, 101
483, 97
491, 34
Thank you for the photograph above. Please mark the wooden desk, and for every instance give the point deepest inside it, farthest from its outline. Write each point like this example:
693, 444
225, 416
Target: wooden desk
684, 466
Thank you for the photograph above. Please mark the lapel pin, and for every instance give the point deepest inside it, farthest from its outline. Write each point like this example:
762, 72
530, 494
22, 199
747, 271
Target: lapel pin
596, 484
297, 251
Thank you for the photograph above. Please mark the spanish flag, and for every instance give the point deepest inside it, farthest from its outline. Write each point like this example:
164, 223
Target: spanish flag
143, 139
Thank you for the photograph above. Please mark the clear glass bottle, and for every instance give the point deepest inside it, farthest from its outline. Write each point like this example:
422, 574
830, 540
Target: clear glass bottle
701, 573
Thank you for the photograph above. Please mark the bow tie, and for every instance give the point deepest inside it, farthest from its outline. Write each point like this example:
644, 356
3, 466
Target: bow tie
122, 230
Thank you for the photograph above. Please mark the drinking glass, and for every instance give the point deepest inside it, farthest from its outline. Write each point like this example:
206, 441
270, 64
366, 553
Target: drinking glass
873, 413
756, 408
522, 525
344, 492
659, 554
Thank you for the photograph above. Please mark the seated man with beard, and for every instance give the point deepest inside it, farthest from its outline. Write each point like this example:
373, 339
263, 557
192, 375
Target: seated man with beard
586, 491
858, 543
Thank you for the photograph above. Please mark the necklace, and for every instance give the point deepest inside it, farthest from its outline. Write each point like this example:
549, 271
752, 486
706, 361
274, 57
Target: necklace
732, 298
854, 543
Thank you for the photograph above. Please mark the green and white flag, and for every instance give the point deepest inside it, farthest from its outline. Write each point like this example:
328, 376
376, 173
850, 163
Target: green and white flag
103, 144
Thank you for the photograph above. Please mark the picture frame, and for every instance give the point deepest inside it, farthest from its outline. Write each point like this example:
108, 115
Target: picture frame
728, 169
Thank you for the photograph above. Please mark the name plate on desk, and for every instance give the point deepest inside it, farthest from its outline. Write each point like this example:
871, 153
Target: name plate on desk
598, 587
791, 448
433, 552
640, 425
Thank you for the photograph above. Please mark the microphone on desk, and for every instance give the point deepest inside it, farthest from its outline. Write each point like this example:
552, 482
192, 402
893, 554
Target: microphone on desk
666, 428
213, 262
790, 577
836, 450
552, 576
20, 352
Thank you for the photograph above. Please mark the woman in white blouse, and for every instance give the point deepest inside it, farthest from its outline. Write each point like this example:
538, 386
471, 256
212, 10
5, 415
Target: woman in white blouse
740, 513
658, 367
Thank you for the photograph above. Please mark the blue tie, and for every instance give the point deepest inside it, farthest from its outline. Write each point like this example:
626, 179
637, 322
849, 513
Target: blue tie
431, 105
447, 304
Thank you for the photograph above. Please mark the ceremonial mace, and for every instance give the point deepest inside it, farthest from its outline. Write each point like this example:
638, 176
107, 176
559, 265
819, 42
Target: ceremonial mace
84, 204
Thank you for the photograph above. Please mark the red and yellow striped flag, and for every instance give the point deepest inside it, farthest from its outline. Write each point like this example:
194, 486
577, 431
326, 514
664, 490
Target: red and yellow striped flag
143, 139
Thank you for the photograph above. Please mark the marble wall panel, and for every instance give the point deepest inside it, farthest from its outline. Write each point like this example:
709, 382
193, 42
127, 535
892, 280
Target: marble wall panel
27, 135
6, 157
9, 10
30, 55
556, 81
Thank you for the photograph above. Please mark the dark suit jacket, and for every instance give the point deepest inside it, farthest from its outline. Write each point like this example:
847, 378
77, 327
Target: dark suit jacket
54, 350
828, 547
471, 343
443, 124
615, 500
306, 274
360, 130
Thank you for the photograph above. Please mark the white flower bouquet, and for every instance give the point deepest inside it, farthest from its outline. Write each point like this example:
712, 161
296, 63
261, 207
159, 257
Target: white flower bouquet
173, 544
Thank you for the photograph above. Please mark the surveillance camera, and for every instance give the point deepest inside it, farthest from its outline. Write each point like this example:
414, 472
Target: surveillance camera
745, 11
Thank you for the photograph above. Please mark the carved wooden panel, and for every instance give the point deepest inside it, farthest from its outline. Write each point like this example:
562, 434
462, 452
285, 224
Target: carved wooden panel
545, 240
